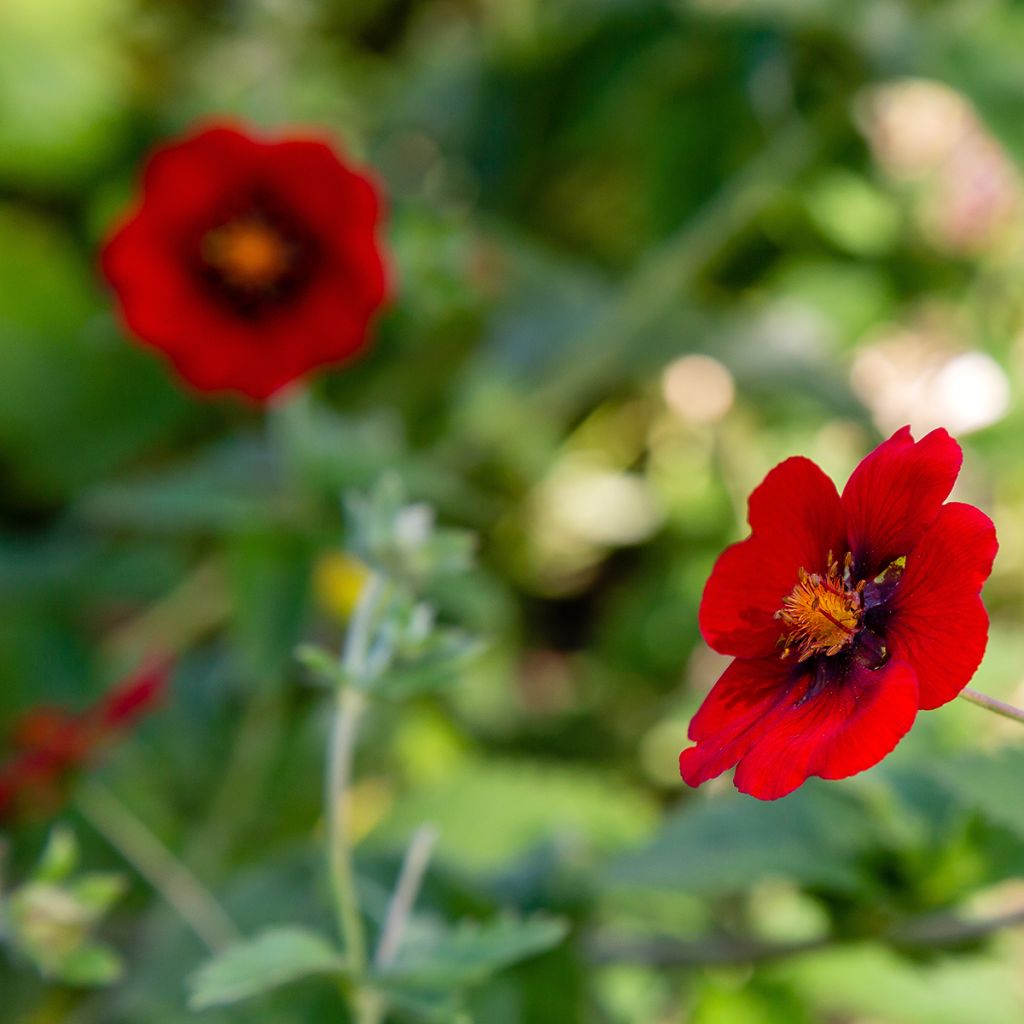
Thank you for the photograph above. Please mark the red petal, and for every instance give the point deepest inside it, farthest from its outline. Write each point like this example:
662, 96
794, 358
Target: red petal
133, 697
938, 622
194, 181
342, 206
783, 728
894, 495
728, 722
199, 180
797, 519
333, 196
833, 731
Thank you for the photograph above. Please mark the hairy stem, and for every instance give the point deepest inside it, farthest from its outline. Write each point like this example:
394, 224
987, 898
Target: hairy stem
997, 707
349, 707
175, 883
339, 771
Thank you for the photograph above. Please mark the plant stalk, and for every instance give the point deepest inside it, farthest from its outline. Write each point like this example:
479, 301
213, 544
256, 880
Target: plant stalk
180, 889
350, 704
997, 707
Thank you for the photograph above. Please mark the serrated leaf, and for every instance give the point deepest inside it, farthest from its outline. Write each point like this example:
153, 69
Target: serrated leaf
472, 951
726, 844
438, 665
267, 961
424, 1005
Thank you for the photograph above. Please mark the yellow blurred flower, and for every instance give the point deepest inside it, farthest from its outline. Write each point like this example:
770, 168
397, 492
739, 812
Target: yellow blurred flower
338, 580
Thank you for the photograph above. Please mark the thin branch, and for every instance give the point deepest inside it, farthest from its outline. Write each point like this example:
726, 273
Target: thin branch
239, 790
175, 883
715, 950
931, 931
197, 606
937, 930
410, 879
997, 707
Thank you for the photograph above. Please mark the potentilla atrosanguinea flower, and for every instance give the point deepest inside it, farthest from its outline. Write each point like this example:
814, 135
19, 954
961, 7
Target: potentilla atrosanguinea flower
845, 614
248, 261
49, 744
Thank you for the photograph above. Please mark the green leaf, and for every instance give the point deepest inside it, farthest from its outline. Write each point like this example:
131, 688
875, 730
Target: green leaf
322, 663
231, 487
472, 952
867, 982
90, 965
430, 1007
489, 813
402, 539
59, 857
271, 959
725, 845
269, 577
97, 892
437, 665
989, 784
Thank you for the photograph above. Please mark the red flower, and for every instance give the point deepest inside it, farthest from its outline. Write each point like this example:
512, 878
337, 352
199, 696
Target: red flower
846, 615
50, 743
249, 262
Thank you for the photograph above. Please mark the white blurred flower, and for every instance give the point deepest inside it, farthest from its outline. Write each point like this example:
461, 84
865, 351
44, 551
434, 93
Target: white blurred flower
919, 377
580, 511
698, 389
913, 125
599, 506
925, 132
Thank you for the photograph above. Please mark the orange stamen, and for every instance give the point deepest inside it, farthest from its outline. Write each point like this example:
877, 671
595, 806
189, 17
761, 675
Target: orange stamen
822, 611
248, 253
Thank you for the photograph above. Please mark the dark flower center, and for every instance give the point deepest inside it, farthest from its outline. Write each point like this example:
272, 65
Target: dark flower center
254, 260
248, 253
823, 612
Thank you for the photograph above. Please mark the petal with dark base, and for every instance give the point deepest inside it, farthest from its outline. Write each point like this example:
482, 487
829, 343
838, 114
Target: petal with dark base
729, 721
895, 493
796, 520
783, 725
936, 620
832, 729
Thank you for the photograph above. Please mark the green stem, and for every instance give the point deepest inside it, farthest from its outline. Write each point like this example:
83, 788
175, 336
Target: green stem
241, 785
997, 707
929, 931
349, 707
180, 889
339, 770
410, 878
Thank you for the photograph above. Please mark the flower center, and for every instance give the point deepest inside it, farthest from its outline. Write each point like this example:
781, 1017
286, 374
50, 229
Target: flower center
248, 253
822, 611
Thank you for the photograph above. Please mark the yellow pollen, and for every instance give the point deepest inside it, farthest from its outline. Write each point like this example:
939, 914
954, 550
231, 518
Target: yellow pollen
823, 613
248, 253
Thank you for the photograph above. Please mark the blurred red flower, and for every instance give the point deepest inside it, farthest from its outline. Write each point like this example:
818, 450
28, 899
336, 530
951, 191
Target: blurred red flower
845, 614
50, 743
249, 262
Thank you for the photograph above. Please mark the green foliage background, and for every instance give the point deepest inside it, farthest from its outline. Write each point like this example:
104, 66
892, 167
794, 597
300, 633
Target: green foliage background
581, 192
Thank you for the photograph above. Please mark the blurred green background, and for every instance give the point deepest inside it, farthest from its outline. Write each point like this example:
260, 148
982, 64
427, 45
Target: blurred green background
644, 249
